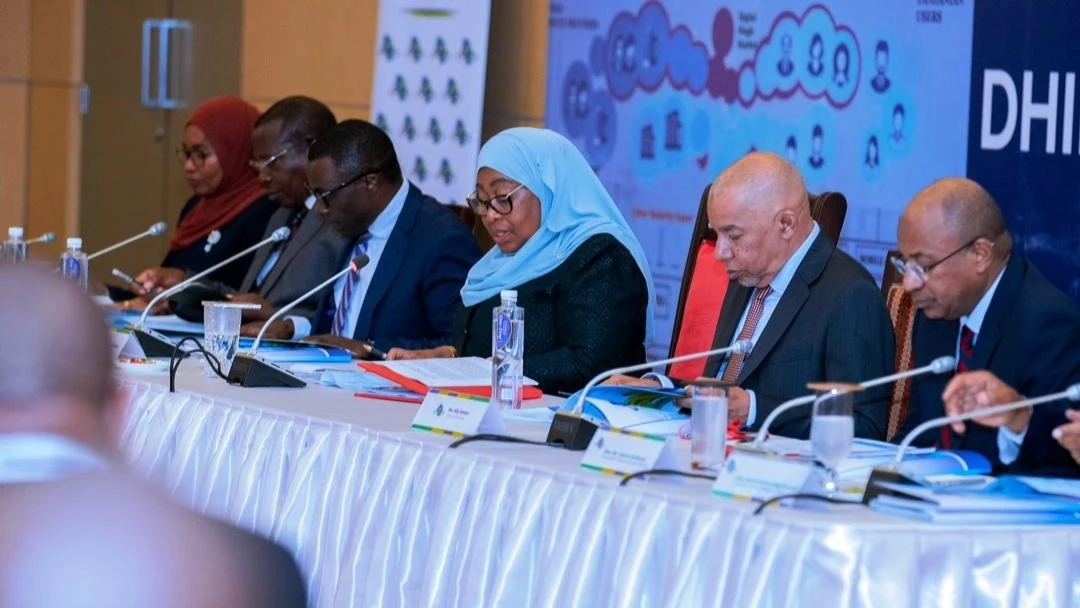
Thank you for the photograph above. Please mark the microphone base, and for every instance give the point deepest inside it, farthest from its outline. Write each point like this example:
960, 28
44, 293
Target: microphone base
249, 371
880, 474
153, 344
571, 431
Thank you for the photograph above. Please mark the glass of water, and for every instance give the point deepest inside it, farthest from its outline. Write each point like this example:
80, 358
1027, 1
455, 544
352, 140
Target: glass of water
221, 332
708, 423
833, 427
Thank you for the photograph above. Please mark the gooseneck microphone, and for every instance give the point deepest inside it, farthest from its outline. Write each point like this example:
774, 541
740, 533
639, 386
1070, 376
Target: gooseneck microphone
574, 432
892, 473
250, 371
937, 366
48, 237
155, 345
155, 230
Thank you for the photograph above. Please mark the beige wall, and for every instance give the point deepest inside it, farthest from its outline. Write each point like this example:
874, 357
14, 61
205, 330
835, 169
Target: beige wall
40, 75
334, 62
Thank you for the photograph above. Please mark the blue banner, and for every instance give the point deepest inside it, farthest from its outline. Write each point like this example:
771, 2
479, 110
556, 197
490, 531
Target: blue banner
866, 98
1023, 144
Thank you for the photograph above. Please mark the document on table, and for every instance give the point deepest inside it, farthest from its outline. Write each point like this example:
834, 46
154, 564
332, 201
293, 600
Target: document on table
446, 373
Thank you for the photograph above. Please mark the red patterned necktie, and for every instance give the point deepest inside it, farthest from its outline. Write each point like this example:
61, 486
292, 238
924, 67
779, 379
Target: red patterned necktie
757, 306
963, 364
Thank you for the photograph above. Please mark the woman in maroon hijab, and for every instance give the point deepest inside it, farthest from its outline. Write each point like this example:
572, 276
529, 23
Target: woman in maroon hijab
229, 210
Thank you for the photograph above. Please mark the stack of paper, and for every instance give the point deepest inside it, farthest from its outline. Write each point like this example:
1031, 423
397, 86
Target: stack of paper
1007, 503
470, 375
654, 411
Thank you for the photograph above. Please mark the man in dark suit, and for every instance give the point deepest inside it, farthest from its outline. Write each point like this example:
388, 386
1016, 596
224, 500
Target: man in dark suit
994, 311
75, 529
419, 251
280, 274
813, 313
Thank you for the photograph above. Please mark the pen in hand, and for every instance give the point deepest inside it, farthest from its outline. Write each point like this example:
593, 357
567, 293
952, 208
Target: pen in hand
138, 288
375, 353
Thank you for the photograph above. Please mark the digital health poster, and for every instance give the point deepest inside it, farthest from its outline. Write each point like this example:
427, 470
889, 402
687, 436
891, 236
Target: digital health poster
428, 89
869, 99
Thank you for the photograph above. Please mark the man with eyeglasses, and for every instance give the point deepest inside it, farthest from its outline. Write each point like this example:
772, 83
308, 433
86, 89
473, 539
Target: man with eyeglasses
992, 310
280, 274
419, 251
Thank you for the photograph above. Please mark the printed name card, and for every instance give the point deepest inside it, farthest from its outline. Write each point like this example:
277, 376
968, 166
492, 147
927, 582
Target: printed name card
757, 476
446, 412
618, 452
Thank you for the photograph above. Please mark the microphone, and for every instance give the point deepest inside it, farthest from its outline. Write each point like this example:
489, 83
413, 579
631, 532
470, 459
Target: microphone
156, 345
48, 237
155, 230
937, 366
574, 432
250, 371
892, 472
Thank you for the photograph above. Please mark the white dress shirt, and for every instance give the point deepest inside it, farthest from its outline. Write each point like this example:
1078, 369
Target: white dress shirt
380, 233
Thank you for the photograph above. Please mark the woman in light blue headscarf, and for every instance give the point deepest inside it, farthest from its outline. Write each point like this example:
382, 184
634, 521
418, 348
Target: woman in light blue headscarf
561, 242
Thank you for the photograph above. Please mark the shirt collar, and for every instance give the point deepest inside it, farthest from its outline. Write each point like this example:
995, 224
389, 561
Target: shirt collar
787, 272
30, 457
384, 224
974, 319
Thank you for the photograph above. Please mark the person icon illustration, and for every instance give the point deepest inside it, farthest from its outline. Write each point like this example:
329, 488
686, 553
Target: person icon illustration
817, 51
785, 66
817, 143
880, 82
841, 65
873, 159
791, 149
898, 123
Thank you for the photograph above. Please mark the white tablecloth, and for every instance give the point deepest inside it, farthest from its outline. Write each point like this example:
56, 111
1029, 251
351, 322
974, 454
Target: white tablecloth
381, 516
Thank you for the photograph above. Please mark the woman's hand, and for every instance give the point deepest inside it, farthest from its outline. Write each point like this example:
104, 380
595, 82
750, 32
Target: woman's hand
157, 279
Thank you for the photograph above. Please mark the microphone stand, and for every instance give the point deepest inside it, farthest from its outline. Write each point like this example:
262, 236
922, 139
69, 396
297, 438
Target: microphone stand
892, 472
154, 230
574, 432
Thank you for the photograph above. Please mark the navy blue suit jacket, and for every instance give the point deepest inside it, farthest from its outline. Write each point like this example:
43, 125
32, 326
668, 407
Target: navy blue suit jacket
1030, 338
416, 287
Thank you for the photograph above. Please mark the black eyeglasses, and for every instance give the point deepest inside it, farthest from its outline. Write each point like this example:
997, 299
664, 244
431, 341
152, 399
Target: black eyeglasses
920, 272
197, 156
502, 205
324, 196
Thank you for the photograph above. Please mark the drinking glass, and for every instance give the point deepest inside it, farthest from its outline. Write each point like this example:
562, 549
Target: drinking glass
221, 332
833, 427
708, 424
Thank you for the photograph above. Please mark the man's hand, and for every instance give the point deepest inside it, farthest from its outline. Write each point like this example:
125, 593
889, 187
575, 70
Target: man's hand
738, 403
256, 314
1068, 435
972, 391
282, 329
622, 380
157, 279
439, 352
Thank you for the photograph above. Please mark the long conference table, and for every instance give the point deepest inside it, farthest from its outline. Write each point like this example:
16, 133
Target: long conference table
380, 515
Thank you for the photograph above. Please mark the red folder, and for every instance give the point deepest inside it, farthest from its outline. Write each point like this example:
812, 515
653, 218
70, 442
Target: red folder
528, 392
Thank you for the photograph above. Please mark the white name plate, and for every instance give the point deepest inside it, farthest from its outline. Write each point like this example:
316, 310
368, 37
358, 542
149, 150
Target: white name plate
751, 476
616, 452
446, 412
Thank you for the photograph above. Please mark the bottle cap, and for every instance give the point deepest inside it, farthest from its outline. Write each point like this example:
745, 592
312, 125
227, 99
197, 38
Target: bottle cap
15, 232
74, 242
509, 294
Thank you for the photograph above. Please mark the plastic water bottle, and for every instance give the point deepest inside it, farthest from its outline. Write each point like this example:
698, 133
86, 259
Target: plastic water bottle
15, 247
73, 263
507, 348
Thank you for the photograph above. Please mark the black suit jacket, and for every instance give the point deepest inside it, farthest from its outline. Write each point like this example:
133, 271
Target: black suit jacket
416, 287
310, 257
586, 316
830, 325
1030, 338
